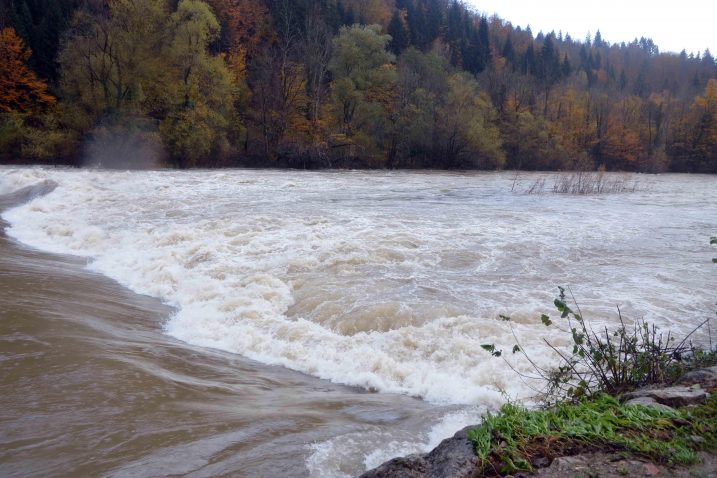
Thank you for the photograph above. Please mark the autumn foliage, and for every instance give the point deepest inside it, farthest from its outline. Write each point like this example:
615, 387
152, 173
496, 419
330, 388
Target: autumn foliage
20, 88
349, 83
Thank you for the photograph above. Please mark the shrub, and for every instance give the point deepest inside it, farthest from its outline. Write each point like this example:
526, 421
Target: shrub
584, 183
611, 362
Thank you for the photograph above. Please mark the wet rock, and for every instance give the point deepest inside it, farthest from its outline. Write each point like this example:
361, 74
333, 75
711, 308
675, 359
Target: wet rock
672, 396
413, 466
454, 458
647, 402
705, 378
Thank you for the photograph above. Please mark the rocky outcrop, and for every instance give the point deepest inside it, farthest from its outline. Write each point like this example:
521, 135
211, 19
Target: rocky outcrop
647, 402
706, 378
692, 389
454, 458
672, 396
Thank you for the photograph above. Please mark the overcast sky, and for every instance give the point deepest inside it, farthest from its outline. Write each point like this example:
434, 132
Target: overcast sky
688, 24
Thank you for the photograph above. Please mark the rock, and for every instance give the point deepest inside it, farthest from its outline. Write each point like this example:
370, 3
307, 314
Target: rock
454, 458
672, 396
706, 378
613, 465
647, 402
571, 463
413, 466
541, 462
651, 469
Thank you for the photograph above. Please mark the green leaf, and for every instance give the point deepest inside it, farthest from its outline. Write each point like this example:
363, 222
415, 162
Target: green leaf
713, 241
516, 349
562, 308
488, 347
491, 348
505, 318
546, 320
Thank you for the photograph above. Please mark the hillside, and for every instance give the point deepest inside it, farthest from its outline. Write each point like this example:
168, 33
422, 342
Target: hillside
341, 83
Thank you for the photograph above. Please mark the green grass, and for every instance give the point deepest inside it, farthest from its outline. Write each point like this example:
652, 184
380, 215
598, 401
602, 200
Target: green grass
512, 439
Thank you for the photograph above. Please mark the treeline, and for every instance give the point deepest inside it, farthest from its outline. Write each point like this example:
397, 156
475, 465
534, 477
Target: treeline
341, 83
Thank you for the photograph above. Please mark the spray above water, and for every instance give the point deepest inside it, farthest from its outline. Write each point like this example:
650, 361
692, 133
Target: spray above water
124, 143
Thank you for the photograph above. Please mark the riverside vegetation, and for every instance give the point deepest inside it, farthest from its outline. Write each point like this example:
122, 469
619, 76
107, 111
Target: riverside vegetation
340, 83
583, 412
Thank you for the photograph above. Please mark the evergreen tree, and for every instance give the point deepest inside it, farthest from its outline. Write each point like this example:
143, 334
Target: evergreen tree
529, 63
399, 36
484, 51
508, 51
598, 42
565, 67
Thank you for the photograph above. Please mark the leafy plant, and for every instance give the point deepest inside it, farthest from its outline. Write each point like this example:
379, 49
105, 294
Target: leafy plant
605, 361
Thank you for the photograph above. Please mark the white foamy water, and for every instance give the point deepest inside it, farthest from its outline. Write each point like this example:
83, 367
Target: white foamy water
388, 281
335, 458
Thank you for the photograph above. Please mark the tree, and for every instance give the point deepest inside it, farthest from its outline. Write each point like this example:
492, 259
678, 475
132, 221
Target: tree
114, 61
399, 34
20, 89
360, 65
467, 130
246, 26
280, 93
704, 143
139, 59
316, 53
41, 23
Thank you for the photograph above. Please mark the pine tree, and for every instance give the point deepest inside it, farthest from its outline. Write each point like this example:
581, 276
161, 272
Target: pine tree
508, 50
484, 44
399, 36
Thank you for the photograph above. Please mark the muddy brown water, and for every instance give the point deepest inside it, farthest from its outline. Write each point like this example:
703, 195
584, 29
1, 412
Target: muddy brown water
389, 281
90, 386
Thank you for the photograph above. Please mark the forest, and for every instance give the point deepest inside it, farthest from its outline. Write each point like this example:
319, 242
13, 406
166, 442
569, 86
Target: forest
341, 84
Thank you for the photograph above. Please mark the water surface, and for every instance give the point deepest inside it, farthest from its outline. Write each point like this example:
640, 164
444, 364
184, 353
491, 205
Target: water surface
255, 285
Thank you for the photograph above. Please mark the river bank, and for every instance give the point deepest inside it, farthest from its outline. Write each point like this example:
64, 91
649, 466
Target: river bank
660, 430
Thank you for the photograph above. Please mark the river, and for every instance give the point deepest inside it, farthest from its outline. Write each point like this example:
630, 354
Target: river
284, 323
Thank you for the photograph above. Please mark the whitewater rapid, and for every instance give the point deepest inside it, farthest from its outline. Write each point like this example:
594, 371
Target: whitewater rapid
386, 281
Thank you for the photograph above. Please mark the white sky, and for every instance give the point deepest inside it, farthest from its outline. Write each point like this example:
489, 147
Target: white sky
673, 25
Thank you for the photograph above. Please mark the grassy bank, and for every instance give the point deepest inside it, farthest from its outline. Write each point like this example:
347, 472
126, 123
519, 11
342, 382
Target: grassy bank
583, 413
517, 439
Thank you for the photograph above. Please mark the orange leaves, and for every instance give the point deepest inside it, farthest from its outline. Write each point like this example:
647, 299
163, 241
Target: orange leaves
622, 142
246, 22
20, 89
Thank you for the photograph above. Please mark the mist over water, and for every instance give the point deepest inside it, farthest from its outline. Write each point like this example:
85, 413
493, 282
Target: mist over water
385, 281
124, 143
